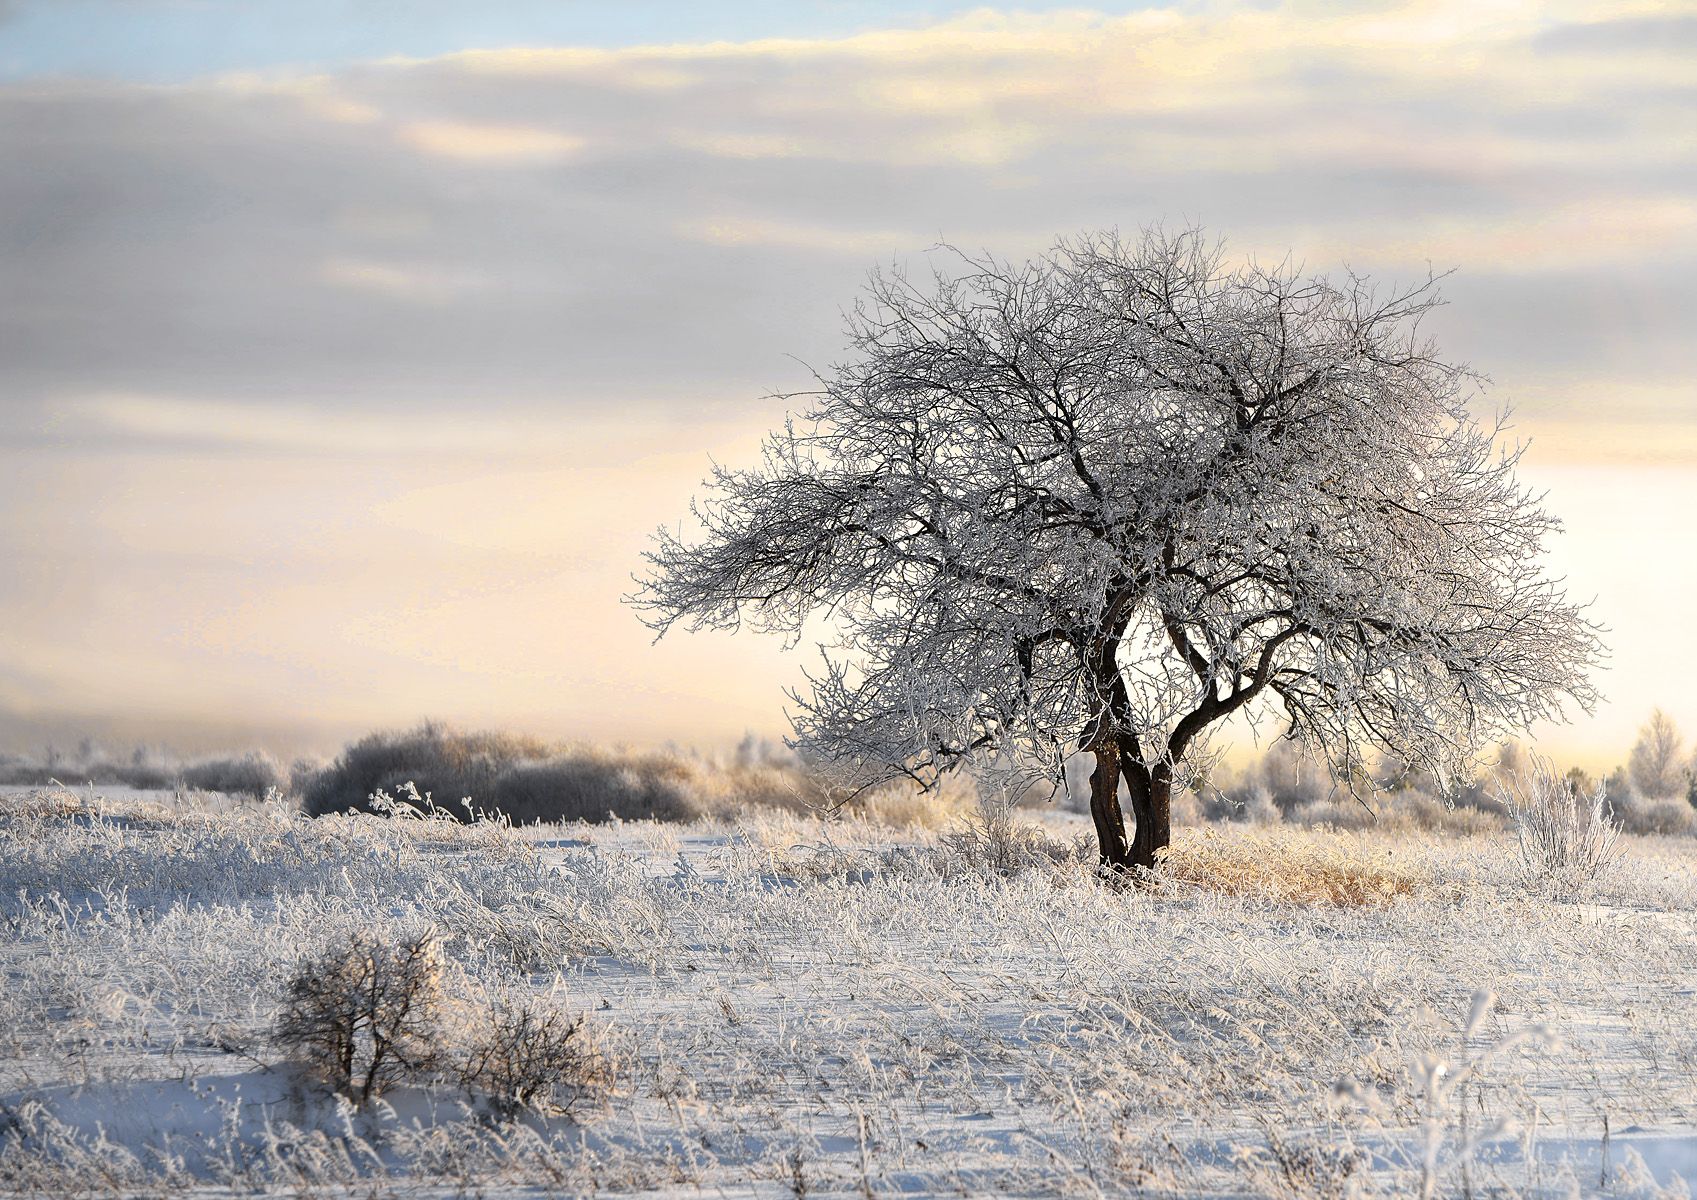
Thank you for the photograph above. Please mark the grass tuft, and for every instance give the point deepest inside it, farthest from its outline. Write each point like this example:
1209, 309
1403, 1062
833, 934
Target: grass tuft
1285, 868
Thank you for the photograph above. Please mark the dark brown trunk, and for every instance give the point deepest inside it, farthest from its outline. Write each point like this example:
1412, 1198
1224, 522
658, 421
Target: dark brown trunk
1105, 805
1151, 791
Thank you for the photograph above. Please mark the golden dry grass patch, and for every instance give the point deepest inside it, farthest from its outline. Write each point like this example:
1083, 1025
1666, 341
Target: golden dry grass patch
1291, 866
901, 805
53, 803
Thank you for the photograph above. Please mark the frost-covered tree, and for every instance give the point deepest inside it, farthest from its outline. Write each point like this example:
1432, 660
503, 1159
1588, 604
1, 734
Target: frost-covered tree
1105, 499
1655, 763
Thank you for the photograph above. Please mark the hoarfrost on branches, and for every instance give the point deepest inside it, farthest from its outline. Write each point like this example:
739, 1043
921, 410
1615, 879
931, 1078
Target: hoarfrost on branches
1106, 498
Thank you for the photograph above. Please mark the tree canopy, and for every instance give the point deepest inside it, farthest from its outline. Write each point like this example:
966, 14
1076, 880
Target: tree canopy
1105, 498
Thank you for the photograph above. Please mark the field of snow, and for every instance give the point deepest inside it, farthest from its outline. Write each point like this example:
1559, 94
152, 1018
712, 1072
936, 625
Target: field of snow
789, 1007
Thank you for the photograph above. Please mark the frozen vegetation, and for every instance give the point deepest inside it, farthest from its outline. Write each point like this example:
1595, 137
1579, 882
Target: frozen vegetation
215, 1000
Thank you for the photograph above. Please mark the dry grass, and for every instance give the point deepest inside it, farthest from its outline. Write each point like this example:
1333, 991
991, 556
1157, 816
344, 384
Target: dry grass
56, 803
1287, 868
901, 805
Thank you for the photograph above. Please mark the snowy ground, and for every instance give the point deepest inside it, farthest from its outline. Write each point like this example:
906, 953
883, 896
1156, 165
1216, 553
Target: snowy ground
790, 1008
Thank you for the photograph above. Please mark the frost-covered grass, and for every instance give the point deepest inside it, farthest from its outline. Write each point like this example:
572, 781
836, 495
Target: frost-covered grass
786, 1007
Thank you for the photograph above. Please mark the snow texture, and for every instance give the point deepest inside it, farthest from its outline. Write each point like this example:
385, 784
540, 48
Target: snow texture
797, 1007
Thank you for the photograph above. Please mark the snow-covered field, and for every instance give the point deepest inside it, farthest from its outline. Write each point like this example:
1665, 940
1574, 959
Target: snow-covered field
789, 1007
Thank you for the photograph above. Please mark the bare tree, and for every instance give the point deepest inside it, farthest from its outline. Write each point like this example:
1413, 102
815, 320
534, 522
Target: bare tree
1655, 763
1107, 498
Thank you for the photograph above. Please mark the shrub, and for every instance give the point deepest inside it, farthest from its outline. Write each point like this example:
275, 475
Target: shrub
363, 1014
144, 775
1566, 832
447, 764
253, 774
529, 781
588, 786
1666, 815
533, 1057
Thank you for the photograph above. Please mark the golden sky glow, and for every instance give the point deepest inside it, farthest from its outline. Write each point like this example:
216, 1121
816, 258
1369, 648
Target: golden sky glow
344, 396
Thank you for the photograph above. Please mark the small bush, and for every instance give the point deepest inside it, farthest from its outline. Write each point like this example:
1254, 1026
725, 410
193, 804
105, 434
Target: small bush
533, 1057
1566, 833
363, 1014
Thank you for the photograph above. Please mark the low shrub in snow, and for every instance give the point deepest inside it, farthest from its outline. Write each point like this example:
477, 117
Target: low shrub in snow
364, 1013
531, 1056
1566, 832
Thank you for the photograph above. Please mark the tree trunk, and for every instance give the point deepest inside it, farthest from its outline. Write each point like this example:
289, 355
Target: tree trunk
1105, 805
1151, 791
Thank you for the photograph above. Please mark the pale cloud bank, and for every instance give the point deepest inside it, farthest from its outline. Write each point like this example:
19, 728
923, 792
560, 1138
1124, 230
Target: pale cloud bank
528, 226
524, 291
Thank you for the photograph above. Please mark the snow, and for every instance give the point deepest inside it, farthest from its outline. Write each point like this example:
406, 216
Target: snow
846, 1009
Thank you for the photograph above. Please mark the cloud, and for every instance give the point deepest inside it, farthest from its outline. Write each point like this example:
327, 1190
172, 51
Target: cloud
296, 429
602, 229
471, 142
1598, 233
356, 390
527, 226
741, 231
1663, 33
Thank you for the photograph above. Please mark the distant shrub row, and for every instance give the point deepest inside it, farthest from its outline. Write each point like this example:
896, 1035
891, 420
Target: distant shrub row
254, 773
531, 781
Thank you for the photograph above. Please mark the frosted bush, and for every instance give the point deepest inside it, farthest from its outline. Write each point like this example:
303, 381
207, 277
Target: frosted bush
531, 1055
990, 840
364, 1013
1565, 830
255, 774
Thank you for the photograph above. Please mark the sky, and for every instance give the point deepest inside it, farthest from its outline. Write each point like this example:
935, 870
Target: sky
350, 351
